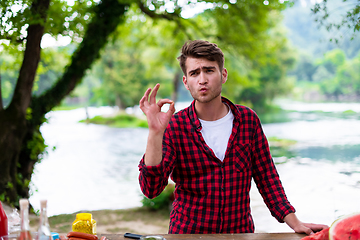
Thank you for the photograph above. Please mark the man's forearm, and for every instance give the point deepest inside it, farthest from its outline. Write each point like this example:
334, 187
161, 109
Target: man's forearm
292, 220
153, 154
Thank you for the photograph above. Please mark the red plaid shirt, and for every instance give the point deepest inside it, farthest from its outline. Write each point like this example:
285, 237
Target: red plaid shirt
212, 196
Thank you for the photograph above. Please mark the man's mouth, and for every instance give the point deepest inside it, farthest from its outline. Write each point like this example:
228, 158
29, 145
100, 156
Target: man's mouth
203, 89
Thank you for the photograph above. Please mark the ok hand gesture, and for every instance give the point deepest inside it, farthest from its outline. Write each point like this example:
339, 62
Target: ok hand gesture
157, 120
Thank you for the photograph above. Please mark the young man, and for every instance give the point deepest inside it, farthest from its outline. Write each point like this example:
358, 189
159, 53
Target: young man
211, 150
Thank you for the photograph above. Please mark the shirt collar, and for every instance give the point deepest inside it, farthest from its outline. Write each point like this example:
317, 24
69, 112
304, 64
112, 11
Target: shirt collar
195, 120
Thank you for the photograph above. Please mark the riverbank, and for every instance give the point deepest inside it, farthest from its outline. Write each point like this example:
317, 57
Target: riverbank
135, 220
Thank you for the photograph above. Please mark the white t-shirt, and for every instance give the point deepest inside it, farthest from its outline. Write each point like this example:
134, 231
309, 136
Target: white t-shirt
217, 133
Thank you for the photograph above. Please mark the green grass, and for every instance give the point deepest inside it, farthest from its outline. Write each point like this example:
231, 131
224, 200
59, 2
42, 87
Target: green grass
281, 141
281, 147
120, 121
65, 108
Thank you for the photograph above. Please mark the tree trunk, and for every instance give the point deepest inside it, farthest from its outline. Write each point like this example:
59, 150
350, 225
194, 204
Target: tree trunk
20, 137
108, 15
176, 82
13, 119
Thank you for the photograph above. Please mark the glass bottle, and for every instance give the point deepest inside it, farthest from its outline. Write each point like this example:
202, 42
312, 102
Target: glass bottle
25, 233
3, 222
44, 232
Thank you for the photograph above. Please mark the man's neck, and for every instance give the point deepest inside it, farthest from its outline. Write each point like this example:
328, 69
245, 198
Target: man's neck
211, 111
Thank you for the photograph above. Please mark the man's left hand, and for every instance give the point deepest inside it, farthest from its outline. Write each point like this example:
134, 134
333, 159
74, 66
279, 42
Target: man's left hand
300, 227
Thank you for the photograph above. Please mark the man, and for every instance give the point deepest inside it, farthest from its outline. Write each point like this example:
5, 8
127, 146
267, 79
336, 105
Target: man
211, 150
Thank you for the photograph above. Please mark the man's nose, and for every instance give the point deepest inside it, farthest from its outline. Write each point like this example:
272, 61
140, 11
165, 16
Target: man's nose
202, 78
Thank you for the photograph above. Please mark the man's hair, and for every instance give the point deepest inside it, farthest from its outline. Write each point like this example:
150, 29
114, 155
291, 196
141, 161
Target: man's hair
201, 49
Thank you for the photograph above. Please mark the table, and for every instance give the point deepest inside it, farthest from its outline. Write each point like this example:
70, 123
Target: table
239, 236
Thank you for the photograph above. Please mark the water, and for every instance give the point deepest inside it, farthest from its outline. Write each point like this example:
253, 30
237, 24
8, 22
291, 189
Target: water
95, 167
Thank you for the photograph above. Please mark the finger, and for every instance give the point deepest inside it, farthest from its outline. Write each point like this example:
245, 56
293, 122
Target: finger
161, 102
308, 231
152, 99
319, 227
145, 98
171, 109
316, 227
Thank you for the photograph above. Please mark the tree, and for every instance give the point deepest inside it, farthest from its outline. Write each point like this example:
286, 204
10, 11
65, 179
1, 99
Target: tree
91, 24
244, 56
345, 84
348, 11
20, 138
137, 53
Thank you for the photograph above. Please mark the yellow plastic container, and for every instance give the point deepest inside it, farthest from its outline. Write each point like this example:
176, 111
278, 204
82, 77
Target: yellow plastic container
84, 223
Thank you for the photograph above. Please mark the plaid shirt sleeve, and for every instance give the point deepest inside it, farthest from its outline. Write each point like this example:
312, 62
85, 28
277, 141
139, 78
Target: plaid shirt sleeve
266, 177
154, 179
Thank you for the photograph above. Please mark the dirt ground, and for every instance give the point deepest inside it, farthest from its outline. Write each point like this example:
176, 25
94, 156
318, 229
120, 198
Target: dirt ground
134, 220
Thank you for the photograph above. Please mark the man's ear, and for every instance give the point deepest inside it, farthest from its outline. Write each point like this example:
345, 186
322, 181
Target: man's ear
185, 82
224, 75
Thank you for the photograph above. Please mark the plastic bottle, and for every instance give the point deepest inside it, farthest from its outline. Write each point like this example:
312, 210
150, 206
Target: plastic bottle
55, 235
3, 222
44, 232
84, 223
25, 233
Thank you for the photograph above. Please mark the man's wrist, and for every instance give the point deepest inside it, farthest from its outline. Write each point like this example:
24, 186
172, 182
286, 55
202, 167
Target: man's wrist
291, 220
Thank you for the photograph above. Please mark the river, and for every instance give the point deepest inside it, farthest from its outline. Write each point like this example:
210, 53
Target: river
95, 167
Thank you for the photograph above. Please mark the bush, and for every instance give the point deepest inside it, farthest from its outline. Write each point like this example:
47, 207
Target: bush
163, 201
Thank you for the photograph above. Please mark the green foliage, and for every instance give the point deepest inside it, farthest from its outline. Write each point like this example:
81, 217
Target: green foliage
64, 19
137, 60
143, 55
3, 196
256, 82
162, 201
37, 146
52, 63
281, 147
143, 51
91, 23
9, 66
119, 120
122, 73
327, 14
332, 60
345, 78
349, 112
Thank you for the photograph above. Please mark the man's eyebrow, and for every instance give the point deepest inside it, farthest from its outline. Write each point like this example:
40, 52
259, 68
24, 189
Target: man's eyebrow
209, 67
194, 70
205, 67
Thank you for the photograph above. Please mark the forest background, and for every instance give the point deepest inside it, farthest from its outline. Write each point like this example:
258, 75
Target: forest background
272, 49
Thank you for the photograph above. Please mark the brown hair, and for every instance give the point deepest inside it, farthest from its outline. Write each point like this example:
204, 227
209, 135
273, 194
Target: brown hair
201, 49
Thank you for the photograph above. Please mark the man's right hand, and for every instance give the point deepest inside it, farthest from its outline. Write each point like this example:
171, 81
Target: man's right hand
157, 121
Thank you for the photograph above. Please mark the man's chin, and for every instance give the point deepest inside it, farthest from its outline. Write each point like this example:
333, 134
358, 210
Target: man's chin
204, 99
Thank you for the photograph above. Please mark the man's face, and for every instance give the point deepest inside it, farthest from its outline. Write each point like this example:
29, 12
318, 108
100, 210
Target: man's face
204, 79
